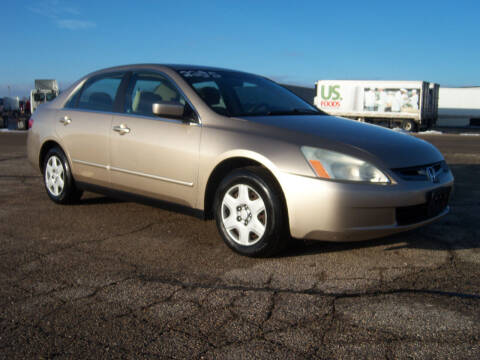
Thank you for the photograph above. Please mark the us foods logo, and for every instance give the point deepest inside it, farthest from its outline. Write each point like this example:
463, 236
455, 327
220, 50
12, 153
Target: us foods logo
330, 96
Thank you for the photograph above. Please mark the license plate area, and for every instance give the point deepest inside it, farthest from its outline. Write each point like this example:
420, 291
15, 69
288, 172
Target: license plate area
437, 201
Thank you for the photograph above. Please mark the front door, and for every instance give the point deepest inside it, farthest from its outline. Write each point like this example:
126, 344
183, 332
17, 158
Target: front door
151, 155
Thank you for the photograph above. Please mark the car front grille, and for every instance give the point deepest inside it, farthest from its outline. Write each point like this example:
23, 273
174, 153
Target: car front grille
437, 202
420, 173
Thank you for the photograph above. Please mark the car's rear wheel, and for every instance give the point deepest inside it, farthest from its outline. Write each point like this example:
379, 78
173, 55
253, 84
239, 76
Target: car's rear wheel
250, 213
58, 178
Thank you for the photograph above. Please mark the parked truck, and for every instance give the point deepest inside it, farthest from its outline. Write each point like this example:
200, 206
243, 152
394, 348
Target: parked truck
411, 105
9, 109
45, 90
434, 96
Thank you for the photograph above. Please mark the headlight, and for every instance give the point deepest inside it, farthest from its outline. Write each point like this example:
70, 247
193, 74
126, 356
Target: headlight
333, 165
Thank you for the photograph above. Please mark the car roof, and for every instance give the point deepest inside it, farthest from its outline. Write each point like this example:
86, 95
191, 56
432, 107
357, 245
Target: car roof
175, 67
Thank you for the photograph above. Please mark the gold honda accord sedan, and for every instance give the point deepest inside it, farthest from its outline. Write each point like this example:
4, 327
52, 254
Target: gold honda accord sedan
239, 148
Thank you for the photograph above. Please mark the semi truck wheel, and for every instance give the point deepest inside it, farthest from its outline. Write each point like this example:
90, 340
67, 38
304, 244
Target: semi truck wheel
409, 125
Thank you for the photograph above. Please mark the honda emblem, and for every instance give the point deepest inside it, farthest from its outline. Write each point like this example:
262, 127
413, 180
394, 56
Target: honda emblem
431, 174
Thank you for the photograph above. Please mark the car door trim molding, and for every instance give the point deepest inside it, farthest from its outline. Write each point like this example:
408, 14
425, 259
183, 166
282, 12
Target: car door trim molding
161, 178
149, 176
90, 164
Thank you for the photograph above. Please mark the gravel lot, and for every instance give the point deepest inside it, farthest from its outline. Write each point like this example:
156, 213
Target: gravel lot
113, 279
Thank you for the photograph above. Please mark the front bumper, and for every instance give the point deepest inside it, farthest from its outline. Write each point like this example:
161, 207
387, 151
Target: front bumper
339, 211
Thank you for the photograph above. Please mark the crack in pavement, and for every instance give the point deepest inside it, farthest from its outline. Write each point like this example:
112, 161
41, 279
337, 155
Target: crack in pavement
204, 337
20, 177
310, 291
14, 158
84, 242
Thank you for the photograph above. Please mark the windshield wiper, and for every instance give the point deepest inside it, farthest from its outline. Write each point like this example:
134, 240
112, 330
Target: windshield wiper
294, 112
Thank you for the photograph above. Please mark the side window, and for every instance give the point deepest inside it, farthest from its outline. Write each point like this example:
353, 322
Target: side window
147, 89
99, 93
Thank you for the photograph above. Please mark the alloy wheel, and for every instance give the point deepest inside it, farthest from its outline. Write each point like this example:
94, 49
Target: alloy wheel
243, 214
54, 176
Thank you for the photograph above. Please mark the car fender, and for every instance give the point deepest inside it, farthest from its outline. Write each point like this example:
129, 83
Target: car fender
225, 156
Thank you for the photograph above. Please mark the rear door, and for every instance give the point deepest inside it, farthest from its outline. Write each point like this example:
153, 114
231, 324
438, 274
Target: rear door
84, 127
151, 155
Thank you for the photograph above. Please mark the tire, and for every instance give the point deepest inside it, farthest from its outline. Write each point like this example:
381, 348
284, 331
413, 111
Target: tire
409, 125
250, 213
58, 179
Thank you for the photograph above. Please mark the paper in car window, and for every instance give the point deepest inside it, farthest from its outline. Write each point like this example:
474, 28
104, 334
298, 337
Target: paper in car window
200, 74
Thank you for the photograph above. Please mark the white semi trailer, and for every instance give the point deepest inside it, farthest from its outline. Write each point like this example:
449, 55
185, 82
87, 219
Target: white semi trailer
412, 105
459, 107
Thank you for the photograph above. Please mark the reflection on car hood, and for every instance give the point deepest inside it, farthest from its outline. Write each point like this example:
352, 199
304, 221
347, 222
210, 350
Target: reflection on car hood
394, 149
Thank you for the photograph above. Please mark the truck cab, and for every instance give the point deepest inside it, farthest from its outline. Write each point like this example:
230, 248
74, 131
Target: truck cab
45, 90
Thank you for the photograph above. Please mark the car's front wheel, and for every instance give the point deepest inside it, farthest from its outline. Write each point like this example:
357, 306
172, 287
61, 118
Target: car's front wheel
58, 178
250, 214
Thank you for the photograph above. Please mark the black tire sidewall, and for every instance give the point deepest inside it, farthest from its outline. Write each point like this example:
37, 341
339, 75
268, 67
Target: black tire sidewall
68, 188
269, 242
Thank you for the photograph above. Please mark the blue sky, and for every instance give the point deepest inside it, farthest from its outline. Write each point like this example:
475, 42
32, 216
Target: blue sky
295, 42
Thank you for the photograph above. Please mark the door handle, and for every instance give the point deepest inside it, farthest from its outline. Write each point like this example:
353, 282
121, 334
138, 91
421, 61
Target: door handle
122, 129
65, 120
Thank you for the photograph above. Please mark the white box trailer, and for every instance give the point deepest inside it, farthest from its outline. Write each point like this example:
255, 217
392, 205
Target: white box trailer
459, 107
408, 104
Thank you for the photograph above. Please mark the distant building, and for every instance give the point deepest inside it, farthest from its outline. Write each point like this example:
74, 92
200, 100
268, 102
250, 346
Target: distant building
459, 107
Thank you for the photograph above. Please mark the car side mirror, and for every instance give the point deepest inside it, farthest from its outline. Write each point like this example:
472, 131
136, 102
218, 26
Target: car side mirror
168, 109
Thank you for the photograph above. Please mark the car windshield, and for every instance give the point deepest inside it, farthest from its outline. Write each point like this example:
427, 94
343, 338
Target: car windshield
39, 97
51, 96
232, 93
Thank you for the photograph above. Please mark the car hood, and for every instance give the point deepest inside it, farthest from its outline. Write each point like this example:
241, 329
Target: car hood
393, 149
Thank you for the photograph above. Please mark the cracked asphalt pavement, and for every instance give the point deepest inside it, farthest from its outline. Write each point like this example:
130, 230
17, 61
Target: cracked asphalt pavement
114, 279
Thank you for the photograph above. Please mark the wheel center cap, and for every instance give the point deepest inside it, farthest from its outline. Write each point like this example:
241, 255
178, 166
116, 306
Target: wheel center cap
244, 214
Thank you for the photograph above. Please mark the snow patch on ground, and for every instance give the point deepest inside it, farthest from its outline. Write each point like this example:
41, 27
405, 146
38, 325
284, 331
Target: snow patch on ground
470, 134
12, 131
397, 129
431, 132
426, 132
